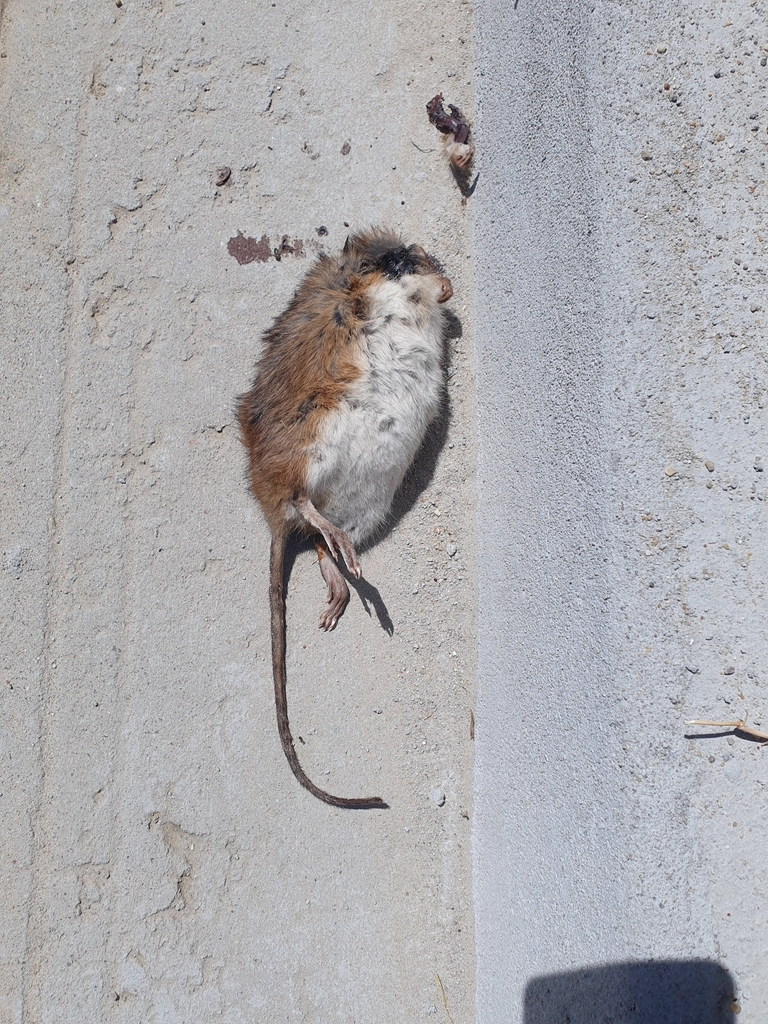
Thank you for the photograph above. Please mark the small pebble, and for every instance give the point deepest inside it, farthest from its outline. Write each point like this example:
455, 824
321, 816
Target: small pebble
438, 796
728, 670
661, 48
694, 669
670, 470
754, 307
451, 550
709, 466
222, 176
758, 465
645, 155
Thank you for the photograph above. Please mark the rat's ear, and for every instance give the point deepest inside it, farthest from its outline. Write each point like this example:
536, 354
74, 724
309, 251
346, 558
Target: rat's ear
345, 250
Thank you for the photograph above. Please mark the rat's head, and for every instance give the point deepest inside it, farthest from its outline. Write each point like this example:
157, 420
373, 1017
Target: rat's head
383, 252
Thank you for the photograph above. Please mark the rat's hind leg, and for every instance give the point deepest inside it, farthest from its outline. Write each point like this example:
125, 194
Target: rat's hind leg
335, 538
338, 591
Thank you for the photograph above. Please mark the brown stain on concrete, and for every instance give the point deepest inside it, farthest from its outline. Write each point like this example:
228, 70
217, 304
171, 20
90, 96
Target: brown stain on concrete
248, 250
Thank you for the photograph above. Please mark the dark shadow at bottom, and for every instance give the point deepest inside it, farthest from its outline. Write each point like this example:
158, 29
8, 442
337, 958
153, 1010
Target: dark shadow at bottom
640, 992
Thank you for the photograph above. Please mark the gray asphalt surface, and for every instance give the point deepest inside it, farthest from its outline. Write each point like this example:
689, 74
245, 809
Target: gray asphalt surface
620, 267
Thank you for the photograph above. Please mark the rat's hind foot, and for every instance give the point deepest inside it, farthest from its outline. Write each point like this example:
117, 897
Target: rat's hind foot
338, 591
335, 538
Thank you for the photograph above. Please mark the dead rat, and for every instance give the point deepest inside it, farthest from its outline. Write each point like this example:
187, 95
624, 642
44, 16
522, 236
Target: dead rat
460, 149
348, 381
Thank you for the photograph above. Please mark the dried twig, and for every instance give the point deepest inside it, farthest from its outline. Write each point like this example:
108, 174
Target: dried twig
445, 1001
740, 726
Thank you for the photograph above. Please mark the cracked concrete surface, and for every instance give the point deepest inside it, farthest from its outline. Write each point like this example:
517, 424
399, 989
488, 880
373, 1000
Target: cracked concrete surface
160, 862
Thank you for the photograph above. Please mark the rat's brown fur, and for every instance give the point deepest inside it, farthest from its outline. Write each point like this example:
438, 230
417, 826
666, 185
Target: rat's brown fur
312, 345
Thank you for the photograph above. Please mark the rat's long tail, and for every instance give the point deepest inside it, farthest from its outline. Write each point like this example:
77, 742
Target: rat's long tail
277, 610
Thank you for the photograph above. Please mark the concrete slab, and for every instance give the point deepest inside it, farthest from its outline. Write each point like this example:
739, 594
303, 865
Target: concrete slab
620, 266
160, 861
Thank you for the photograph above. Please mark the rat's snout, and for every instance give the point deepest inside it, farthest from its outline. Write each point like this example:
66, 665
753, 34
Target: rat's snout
446, 290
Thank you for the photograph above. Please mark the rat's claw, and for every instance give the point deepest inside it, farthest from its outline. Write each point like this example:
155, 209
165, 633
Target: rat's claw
337, 596
349, 554
328, 621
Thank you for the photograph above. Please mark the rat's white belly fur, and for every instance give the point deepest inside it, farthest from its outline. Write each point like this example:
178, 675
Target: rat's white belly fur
368, 443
